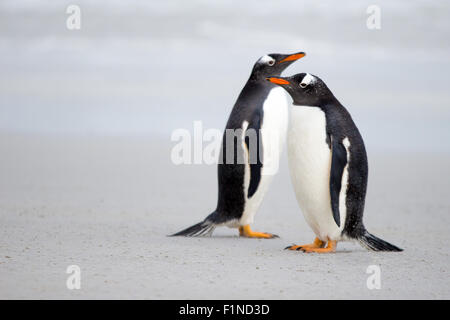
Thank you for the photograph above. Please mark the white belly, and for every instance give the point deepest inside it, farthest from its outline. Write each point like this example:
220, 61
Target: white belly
273, 133
309, 163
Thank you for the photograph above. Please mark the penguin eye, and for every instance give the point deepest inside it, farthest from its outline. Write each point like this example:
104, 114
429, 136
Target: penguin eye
303, 85
271, 62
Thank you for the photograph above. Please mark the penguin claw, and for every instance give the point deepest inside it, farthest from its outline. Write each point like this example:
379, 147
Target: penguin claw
293, 247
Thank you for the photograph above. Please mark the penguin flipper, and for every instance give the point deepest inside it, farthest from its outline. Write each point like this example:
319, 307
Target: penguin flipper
254, 152
338, 163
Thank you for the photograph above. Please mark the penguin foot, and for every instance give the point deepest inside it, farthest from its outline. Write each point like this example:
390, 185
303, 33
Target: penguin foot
245, 231
315, 245
331, 247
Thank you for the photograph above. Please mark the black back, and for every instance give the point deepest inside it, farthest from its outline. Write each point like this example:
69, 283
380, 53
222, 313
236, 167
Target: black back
340, 125
248, 107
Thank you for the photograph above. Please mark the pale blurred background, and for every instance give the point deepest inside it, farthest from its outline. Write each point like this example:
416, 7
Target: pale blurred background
86, 118
148, 67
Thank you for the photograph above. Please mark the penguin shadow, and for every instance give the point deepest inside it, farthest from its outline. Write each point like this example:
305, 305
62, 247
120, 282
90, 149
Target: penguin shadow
225, 236
234, 237
343, 251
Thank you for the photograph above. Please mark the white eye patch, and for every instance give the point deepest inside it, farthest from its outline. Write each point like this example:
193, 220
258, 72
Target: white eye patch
267, 59
307, 80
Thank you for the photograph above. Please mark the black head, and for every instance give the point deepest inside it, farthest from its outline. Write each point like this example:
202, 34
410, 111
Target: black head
305, 89
273, 64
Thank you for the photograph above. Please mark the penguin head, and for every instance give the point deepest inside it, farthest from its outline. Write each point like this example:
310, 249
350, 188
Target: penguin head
274, 64
305, 89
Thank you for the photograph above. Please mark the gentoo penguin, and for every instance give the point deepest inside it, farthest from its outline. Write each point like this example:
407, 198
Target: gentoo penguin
253, 139
328, 166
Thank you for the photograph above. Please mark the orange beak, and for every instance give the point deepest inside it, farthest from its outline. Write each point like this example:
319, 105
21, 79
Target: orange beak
278, 80
293, 57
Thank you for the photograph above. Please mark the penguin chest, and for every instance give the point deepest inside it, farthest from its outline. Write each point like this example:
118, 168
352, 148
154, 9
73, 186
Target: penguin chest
273, 134
309, 160
274, 125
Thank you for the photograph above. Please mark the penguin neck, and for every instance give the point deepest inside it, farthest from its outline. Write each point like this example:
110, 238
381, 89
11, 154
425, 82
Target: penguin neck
331, 104
256, 89
257, 76
325, 104
259, 81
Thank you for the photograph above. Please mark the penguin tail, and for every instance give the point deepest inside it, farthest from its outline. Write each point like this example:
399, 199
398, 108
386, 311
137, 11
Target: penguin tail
204, 228
374, 243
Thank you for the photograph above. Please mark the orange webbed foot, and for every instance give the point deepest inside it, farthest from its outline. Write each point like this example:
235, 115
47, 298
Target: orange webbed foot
317, 247
246, 231
316, 244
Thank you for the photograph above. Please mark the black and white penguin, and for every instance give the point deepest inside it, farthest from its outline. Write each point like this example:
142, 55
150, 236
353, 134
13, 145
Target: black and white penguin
328, 166
251, 145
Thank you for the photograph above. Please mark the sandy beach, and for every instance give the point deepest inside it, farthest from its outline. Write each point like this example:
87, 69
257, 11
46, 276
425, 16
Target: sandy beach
107, 204
86, 176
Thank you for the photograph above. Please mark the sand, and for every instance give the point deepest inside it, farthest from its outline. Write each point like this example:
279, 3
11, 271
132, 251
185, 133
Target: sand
85, 123
106, 204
